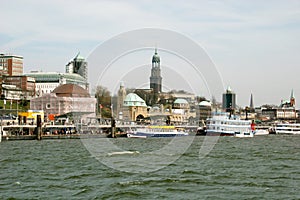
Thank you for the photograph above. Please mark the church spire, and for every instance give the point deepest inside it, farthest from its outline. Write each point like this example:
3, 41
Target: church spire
292, 99
292, 94
155, 78
251, 102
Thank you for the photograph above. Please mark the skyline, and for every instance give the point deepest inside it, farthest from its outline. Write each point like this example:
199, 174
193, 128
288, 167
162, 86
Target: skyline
242, 38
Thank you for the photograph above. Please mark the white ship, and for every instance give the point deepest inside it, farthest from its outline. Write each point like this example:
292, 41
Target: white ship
287, 128
225, 124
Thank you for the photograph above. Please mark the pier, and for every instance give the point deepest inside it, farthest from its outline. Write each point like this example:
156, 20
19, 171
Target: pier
28, 132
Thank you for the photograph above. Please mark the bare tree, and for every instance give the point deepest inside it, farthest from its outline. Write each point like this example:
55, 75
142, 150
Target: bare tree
103, 96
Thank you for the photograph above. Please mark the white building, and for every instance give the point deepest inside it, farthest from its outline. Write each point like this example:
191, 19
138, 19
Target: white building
46, 82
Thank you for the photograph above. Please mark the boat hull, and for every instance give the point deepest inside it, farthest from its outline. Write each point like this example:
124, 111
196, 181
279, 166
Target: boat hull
261, 132
213, 133
236, 134
244, 135
140, 134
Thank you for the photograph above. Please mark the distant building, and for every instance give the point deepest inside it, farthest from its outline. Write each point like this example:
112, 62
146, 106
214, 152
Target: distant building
229, 102
120, 101
278, 113
204, 110
289, 103
11, 65
78, 66
13, 84
69, 101
180, 112
183, 95
286, 113
46, 82
134, 108
155, 78
18, 87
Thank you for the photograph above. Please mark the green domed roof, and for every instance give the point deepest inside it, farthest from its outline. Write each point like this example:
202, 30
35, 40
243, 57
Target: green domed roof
55, 76
180, 101
205, 104
133, 99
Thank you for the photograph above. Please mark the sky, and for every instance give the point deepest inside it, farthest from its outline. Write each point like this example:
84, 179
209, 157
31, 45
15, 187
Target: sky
254, 45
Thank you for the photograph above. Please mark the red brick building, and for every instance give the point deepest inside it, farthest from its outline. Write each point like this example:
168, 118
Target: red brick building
11, 65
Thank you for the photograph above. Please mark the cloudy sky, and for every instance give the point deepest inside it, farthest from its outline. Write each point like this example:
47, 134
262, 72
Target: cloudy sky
255, 44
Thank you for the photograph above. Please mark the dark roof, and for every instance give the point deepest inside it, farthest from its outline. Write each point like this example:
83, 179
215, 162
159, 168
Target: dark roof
70, 90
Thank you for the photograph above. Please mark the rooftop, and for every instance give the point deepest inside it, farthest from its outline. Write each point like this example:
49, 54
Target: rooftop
180, 101
55, 76
70, 90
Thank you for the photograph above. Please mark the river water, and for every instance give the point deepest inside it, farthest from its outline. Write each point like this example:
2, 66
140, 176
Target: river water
263, 167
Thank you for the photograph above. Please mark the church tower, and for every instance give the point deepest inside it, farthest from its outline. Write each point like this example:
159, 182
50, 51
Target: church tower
155, 78
251, 103
121, 98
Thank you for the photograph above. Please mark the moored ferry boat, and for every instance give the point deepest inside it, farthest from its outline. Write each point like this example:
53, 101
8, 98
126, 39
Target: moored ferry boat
225, 124
157, 131
287, 128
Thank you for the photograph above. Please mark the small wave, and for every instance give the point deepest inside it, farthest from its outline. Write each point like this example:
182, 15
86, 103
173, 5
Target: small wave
124, 194
127, 183
81, 192
17, 183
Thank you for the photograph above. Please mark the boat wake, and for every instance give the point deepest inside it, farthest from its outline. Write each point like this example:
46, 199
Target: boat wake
123, 153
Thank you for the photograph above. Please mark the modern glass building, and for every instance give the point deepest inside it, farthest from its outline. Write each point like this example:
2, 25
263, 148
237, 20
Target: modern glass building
229, 102
78, 66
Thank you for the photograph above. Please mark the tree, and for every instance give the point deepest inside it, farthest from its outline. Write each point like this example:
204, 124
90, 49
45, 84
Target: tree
103, 96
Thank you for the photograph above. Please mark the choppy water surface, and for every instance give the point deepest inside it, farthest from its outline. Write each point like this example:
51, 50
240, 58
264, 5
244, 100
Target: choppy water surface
263, 167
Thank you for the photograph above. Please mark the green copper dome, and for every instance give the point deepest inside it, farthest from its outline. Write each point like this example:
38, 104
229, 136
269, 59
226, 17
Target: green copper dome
133, 99
180, 101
